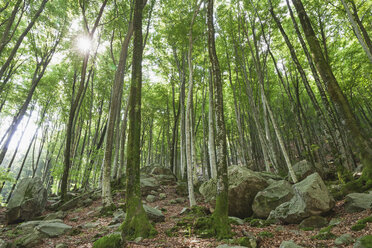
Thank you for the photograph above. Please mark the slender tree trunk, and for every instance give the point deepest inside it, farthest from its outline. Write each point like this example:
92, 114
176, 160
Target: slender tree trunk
136, 223
211, 127
220, 214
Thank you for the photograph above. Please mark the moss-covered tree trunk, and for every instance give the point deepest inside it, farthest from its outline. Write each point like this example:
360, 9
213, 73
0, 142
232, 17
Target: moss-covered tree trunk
220, 215
136, 223
362, 144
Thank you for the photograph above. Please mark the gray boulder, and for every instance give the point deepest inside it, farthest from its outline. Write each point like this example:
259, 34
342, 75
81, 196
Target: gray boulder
53, 229
302, 169
27, 201
344, 239
154, 214
29, 240
244, 184
151, 198
289, 244
311, 198
271, 197
356, 202
148, 184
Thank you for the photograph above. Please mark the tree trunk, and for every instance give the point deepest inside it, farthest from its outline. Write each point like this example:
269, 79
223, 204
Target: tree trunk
220, 214
136, 223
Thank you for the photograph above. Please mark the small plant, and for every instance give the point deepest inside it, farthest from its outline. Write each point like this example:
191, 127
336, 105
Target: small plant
266, 234
307, 228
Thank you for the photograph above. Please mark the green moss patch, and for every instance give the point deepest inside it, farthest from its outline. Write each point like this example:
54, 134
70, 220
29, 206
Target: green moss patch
109, 241
266, 234
324, 234
361, 224
366, 241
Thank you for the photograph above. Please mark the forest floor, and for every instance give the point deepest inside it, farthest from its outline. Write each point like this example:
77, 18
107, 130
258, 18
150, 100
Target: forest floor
270, 236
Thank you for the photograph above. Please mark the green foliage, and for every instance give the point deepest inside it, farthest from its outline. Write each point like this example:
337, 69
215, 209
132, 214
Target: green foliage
109, 241
265, 234
259, 222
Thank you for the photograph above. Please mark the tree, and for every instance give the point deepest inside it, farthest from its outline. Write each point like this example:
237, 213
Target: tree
136, 223
220, 214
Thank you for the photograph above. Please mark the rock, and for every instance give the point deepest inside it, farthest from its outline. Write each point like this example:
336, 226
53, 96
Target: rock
311, 198
53, 229
154, 214
244, 184
90, 225
181, 189
290, 212
334, 222
27, 201
236, 220
32, 239
268, 175
56, 215
314, 221
166, 179
30, 225
77, 201
162, 196
150, 198
356, 202
302, 169
138, 239
180, 200
185, 210
271, 197
363, 242
61, 245
148, 184
3, 244
159, 170
344, 239
119, 216
87, 202
153, 192
289, 244
54, 206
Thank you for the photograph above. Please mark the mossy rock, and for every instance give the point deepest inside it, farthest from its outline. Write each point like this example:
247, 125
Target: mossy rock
364, 242
109, 241
314, 221
248, 241
325, 234
108, 211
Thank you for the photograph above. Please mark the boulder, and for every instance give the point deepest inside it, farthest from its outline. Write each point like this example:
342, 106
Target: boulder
150, 198
289, 244
244, 184
53, 229
30, 225
363, 242
311, 198
302, 169
55, 215
271, 197
27, 201
29, 240
77, 201
154, 214
148, 184
314, 222
159, 170
344, 239
356, 202
166, 179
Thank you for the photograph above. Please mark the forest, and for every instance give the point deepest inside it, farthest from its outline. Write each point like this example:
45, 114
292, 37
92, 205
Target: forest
193, 123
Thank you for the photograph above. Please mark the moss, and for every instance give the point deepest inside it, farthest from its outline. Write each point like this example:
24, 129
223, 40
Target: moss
199, 211
365, 220
366, 241
109, 241
266, 234
358, 227
243, 241
324, 236
260, 223
324, 233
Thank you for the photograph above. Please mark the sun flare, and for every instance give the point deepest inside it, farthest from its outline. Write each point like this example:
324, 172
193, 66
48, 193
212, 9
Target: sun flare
84, 44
